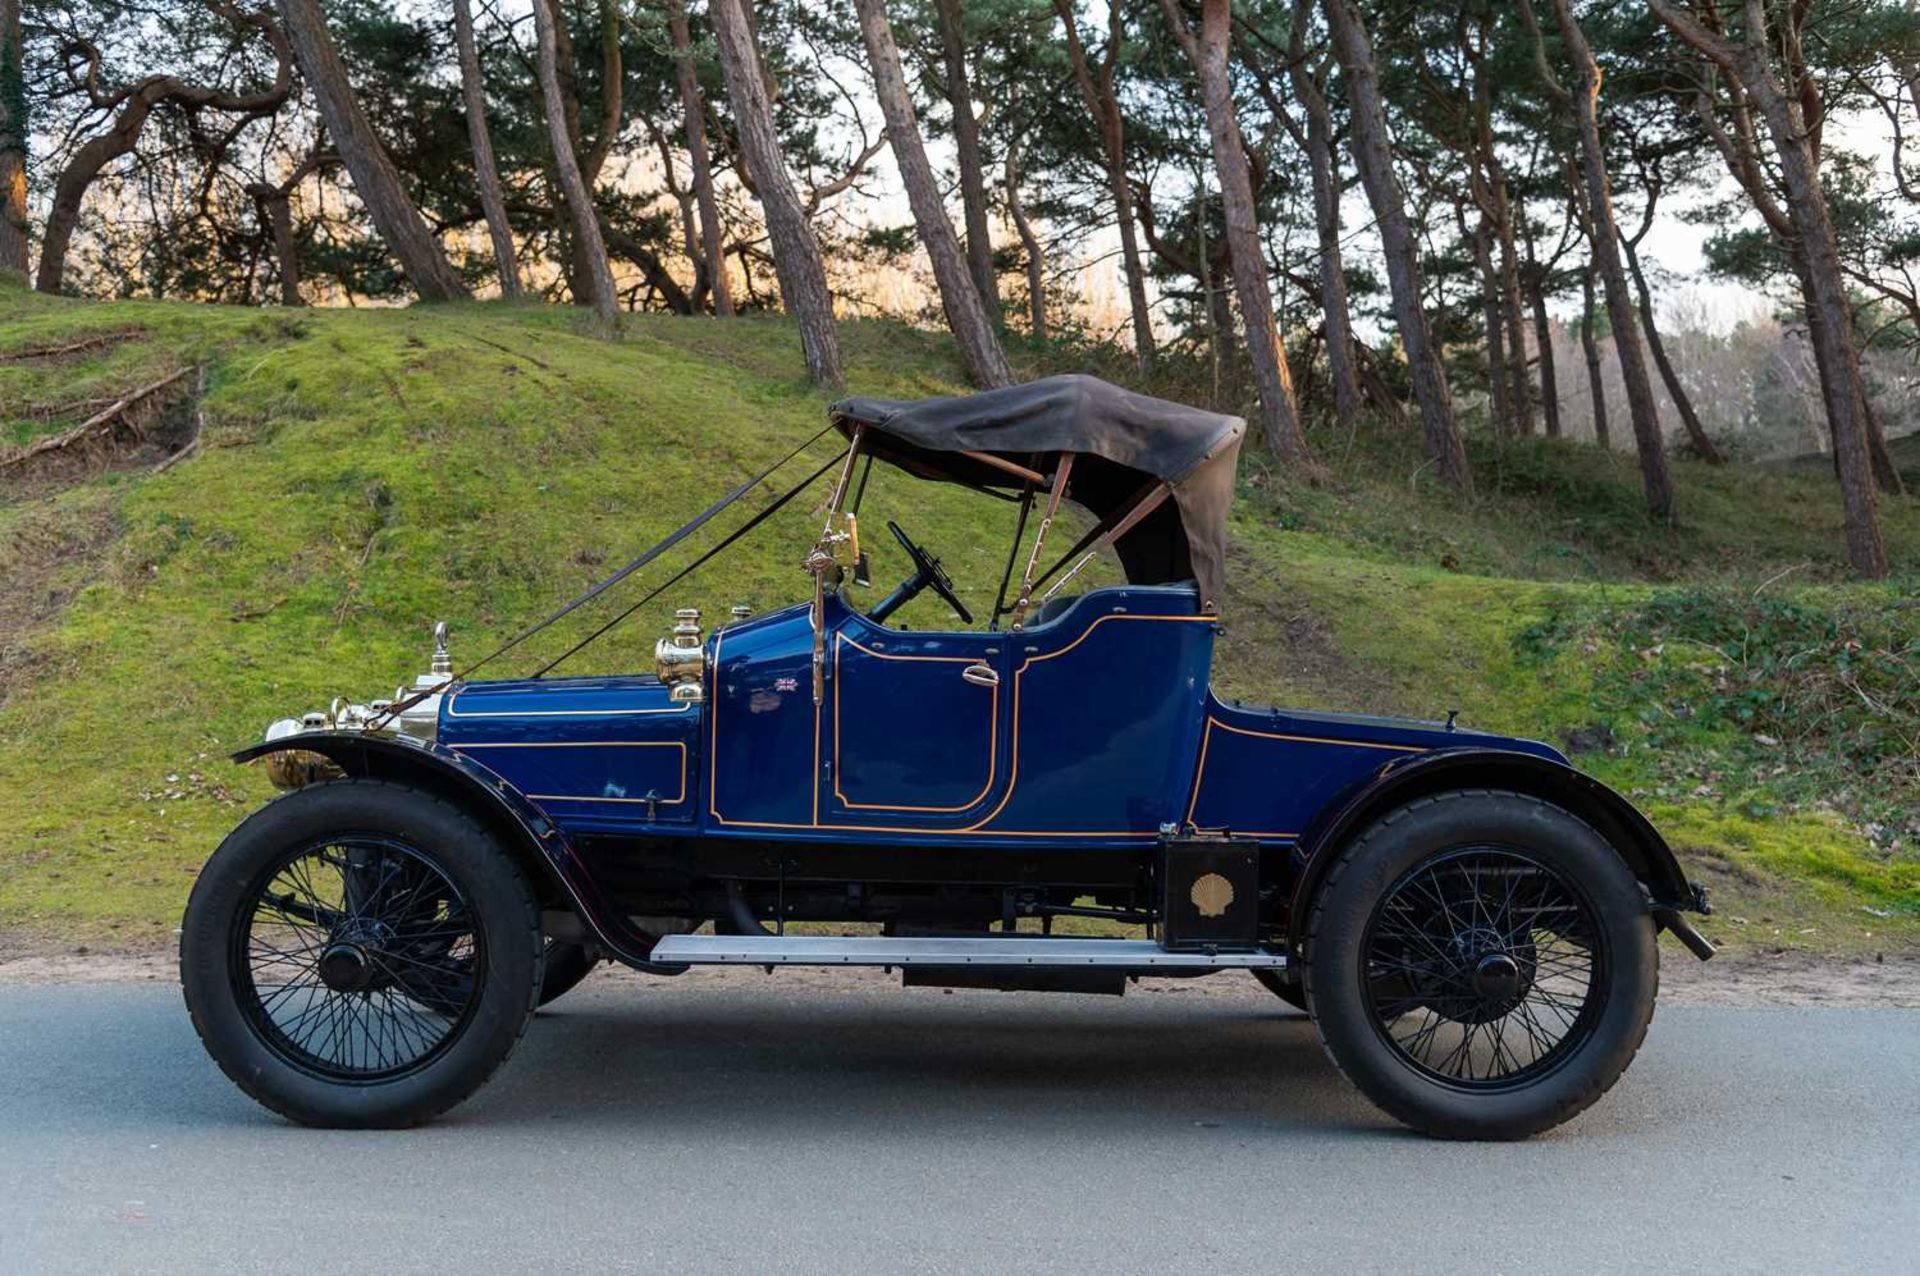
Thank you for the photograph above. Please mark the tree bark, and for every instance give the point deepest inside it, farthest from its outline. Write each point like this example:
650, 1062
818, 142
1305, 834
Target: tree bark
1512, 314
1097, 92
1279, 414
492, 202
1495, 323
966, 146
590, 249
1596, 376
1336, 315
1543, 338
713, 245
1829, 313
1029, 245
375, 179
276, 209
1886, 474
13, 145
1655, 480
1372, 153
980, 352
796, 253
1697, 437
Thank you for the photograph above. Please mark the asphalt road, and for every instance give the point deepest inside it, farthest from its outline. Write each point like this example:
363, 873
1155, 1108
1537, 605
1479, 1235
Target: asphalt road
773, 1124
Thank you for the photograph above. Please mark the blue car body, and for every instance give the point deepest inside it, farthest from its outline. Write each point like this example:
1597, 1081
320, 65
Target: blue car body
1103, 732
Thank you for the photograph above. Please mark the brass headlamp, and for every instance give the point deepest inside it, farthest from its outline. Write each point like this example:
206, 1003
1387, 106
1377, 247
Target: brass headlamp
681, 660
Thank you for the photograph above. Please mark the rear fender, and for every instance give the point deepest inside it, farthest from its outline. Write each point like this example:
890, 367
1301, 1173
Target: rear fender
1405, 779
535, 841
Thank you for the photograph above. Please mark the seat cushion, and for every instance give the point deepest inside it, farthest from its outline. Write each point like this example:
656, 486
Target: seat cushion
1054, 608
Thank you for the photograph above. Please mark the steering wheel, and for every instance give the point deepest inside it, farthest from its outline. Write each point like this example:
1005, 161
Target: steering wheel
926, 571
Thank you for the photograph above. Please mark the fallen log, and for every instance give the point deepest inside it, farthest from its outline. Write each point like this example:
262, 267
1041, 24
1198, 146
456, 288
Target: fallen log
97, 428
81, 346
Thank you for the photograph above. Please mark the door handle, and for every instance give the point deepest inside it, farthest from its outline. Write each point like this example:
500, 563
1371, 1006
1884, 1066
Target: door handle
981, 675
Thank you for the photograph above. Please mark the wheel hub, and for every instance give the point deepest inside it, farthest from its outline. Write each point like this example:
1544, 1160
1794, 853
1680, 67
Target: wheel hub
345, 967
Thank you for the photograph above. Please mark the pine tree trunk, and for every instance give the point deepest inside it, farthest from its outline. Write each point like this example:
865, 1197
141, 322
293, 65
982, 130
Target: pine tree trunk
713, 243
1336, 316
1495, 324
1596, 376
1829, 313
375, 179
1543, 338
1886, 474
980, 352
13, 145
1697, 437
1279, 414
1372, 153
1100, 104
493, 202
796, 253
1655, 480
1029, 245
276, 209
1512, 315
966, 146
70, 188
590, 249
1829, 316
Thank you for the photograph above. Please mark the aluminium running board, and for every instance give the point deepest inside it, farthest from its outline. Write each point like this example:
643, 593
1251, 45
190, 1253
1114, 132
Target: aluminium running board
1018, 951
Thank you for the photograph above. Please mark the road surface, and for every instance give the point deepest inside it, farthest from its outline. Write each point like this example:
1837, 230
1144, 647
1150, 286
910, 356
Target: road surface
785, 1123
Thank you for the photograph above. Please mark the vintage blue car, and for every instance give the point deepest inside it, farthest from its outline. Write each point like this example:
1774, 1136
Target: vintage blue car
1470, 922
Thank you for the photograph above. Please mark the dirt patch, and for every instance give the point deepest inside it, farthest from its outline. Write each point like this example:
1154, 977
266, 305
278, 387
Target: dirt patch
1791, 979
142, 427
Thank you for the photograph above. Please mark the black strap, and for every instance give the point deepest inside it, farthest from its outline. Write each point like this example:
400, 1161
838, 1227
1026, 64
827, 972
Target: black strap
699, 520
690, 568
1000, 607
1114, 518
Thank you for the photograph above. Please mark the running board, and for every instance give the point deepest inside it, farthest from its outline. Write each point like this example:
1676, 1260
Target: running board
863, 950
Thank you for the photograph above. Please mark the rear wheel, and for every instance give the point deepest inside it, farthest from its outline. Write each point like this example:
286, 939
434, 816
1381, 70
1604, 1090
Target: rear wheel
1481, 964
360, 954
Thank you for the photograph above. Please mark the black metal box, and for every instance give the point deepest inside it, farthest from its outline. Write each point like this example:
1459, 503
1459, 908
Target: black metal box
1209, 894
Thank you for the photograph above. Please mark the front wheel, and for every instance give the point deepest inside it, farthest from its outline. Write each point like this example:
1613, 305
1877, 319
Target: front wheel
360, 954
1481, 964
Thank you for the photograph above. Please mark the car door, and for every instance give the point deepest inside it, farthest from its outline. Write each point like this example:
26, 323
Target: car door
915, 727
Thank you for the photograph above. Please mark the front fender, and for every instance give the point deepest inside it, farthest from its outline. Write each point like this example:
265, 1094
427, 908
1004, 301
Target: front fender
1405, 779
534, 840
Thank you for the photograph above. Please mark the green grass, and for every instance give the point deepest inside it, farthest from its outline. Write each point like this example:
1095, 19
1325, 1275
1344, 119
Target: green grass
364, 473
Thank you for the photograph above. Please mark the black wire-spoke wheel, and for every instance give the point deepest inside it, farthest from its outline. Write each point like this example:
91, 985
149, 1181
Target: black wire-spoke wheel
358, 953
1484, 967
357, 959
1481, 964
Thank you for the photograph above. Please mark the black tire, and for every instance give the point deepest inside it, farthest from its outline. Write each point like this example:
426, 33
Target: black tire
1390, 991
1289, 991
440, 970
566, 965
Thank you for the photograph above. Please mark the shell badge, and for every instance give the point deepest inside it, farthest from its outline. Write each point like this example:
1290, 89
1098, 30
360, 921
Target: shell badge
1212, 894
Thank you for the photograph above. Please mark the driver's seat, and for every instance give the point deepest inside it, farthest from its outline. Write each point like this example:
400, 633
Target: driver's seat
1054, 608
